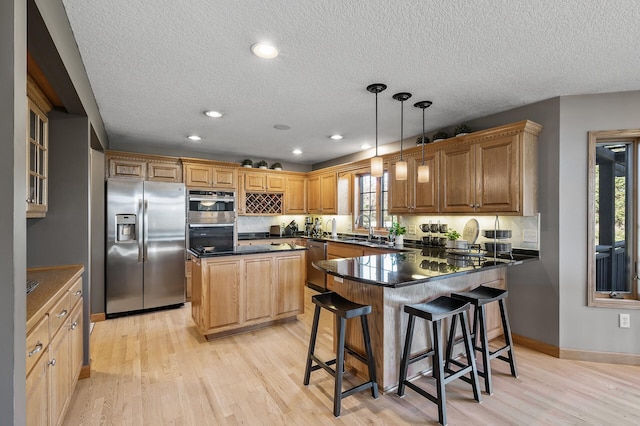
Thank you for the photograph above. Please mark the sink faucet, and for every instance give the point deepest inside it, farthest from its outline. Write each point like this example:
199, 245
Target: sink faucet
360, 218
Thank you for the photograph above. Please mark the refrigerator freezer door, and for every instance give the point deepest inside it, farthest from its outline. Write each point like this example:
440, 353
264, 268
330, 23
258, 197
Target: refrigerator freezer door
164, 244
124, 255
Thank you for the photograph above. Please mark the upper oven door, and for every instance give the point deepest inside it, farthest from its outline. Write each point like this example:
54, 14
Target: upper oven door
212, 208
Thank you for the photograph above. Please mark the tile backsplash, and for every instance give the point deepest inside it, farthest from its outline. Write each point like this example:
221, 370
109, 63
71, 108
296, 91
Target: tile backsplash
525, 231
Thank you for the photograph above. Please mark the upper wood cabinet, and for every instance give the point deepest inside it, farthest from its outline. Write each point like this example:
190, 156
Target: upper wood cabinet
37, 146
491, 175
411, 196
210, 175
263, 181
122, 164
323, 197
296, 195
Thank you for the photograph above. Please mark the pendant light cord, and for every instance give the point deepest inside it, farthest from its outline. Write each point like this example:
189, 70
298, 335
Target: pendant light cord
423, 136
401, 126
376, 124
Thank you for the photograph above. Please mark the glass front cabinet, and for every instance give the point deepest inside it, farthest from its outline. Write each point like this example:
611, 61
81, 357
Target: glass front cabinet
37, 161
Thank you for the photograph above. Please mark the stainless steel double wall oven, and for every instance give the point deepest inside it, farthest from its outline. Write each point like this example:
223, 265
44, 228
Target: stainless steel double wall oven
211, 221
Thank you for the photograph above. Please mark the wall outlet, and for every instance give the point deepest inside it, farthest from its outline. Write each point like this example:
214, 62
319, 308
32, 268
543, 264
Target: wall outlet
625, 320
530, 236
411, 230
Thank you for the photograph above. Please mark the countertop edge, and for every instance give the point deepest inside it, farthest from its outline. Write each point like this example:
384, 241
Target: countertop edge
255, 250
50, 292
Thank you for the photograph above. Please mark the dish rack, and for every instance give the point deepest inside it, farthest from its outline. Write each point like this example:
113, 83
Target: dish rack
498, 246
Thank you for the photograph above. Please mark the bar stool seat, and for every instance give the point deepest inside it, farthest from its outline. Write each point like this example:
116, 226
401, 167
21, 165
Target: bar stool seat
434, 311
343, 309
479, 298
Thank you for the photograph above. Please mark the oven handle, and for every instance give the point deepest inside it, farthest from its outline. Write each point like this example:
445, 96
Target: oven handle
225, 199
209, 225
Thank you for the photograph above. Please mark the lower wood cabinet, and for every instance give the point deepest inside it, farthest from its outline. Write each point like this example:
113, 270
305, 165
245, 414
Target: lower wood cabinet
236, 293
54, 355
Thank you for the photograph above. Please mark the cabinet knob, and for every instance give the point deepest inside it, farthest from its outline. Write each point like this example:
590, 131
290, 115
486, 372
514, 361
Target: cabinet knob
471, 205
62, 314
73, 326
52, 362
78, 293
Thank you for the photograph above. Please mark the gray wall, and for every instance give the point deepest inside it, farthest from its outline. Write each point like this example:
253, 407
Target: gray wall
97, 232
583, 327
62, 237
12, 211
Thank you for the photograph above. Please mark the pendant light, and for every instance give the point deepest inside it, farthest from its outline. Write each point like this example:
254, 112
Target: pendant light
401, 166
423, 170
377, 168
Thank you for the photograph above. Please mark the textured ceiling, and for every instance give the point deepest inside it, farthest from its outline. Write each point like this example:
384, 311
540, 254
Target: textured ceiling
155, 66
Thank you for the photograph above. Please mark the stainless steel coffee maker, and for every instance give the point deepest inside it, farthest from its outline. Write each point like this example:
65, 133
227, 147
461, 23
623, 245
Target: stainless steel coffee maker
308, 226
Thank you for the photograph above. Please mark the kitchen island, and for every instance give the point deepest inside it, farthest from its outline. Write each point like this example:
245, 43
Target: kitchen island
387, 282
247, 288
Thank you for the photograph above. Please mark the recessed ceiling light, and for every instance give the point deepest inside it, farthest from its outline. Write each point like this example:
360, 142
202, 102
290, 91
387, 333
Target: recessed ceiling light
194, 138
264, 50
365, 146
297, 151
336, 137
213, 114
281, 127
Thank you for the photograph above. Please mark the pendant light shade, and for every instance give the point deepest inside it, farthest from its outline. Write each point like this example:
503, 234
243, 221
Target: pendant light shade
401, 166
423, 169
377, 167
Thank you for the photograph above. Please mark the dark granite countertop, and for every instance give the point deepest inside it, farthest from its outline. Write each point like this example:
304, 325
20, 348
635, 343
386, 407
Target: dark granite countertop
253, 249
417, 265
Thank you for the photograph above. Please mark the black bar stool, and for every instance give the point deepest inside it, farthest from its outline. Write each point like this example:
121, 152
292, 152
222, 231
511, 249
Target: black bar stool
479, 298
343, 309
435, 311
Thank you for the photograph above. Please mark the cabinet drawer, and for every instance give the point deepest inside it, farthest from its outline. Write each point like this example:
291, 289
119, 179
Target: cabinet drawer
37, 341
59, 313
344, 250
75, 292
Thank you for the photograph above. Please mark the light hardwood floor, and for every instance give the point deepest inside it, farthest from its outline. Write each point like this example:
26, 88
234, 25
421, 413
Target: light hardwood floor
155, 369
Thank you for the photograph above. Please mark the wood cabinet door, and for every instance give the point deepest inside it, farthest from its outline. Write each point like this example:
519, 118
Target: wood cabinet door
198, 175
457, 184
497, 175
296, 195
255, 181
223, 293
314, 202
37, 161
399, 193
197, 293
275, 183
289, 283
258, 274
60, 373
76, 349
164, 172
225, 178
37, 388
119, 167
426, 195
329, 193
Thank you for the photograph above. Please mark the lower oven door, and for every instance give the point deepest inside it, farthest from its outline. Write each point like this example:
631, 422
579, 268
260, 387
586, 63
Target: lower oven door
219, 237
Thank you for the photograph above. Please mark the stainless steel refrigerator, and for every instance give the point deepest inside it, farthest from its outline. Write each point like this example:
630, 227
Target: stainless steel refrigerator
145, 245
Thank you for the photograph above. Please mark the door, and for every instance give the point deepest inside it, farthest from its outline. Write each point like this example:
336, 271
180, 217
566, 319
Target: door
124, 249
164, 244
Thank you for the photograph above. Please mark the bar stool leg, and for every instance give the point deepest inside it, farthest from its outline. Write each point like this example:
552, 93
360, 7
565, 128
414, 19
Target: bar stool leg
337, 393
404, 364
312, 345
450, 343
438, 370
484, 346
370, 361
471, 359
507, 337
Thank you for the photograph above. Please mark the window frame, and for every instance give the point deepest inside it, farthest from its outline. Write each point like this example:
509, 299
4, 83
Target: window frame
599, 298
356, 201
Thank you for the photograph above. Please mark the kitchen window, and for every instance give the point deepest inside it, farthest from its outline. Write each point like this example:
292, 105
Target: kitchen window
372, 195
614, 217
